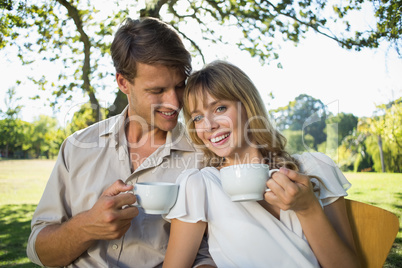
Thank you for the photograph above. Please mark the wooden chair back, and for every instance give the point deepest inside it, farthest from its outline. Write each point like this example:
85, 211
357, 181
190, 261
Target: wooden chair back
374, 231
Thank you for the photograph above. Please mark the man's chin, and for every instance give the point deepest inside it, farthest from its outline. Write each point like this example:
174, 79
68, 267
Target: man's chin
167, 126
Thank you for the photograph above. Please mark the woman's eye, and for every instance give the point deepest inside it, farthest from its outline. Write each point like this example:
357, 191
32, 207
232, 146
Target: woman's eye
221, 109
197, 118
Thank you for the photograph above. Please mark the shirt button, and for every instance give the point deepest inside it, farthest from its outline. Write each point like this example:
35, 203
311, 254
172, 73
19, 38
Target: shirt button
115, 246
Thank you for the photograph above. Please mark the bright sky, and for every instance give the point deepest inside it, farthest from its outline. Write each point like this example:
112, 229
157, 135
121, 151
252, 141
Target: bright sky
345, 81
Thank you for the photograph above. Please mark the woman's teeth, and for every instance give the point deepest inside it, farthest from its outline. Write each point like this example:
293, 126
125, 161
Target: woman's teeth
219, 138
168, 114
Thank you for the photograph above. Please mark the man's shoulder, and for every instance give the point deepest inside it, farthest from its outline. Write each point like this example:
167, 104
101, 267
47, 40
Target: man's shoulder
94, 133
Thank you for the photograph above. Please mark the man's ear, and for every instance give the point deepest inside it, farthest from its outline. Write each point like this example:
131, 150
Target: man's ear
122, 83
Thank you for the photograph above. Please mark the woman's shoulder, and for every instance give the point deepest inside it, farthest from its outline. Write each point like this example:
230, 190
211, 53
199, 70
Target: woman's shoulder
206, 172
315, 163
322, 166
198, 178
312, 159
210, 172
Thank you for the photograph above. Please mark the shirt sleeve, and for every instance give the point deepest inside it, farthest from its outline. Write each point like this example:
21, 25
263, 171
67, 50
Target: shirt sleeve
191, 200
333, 183
50, 209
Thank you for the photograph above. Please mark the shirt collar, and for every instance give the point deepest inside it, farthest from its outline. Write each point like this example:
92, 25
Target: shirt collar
116, 123
177, 139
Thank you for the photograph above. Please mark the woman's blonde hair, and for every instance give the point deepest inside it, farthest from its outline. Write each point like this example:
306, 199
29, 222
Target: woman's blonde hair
224, 81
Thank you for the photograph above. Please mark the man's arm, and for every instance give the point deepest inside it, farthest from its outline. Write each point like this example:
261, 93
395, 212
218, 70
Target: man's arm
61, 244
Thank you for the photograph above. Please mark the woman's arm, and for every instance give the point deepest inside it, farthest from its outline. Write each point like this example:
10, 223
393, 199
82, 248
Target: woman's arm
327, 231
329, 234
184, 242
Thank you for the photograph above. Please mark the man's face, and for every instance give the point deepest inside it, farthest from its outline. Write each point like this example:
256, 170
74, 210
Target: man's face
155, 96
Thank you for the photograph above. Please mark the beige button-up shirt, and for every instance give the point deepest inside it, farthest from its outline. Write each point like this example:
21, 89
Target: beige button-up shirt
91, 160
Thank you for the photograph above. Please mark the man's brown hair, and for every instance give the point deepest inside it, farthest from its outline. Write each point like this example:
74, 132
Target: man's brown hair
148, 41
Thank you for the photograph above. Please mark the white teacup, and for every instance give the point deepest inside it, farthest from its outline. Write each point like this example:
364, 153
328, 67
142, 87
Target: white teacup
156, 197
246, 182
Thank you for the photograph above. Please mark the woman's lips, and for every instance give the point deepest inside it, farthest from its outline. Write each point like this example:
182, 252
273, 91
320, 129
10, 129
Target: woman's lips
220, 139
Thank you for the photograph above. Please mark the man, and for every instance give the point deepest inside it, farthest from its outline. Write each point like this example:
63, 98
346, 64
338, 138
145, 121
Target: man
84, 218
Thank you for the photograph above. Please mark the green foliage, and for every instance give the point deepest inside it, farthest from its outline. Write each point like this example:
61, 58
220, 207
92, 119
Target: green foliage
384, 136
76, 36
12, 136
12, 17
366, 144
297, 142
390, 155
345, 124
388, 27
43, 137
21, 139
13, 109
346, 158
11, 133
83, 118
363, 162
64, 32
46, 138
393, 132
304, 113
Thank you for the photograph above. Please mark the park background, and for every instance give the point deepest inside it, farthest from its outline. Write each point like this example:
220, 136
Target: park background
329, 72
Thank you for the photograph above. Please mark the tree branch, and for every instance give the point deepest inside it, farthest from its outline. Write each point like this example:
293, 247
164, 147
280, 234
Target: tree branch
152, 8
314, 27
86, 68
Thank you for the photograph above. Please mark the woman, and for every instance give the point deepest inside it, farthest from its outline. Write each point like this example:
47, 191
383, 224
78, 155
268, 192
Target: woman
301, 222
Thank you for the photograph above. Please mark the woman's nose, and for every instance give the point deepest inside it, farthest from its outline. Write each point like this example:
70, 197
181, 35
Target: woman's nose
211, 124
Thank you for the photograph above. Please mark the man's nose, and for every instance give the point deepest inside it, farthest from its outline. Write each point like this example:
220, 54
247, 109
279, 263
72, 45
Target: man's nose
173, 99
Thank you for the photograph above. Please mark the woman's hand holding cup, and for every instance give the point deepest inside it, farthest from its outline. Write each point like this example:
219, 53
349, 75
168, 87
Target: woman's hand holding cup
290, 190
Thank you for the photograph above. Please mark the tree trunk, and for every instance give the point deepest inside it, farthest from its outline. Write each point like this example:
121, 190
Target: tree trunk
120, 102
86, 67
152, 9
381, 153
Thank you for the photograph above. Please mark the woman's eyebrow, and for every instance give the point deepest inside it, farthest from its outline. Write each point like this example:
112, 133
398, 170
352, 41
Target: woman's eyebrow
195, 111
205, 106
212, 103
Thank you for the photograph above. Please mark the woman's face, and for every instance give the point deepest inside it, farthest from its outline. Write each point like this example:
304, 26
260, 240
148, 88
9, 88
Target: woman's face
220, 124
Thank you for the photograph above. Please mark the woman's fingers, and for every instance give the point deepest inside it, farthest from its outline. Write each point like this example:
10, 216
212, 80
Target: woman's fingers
295, 176
288, 189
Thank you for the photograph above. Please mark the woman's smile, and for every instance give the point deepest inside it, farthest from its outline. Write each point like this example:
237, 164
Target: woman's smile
220, 139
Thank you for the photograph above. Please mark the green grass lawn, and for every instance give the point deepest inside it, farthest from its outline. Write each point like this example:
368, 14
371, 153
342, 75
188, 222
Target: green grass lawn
21, 185
23, 181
